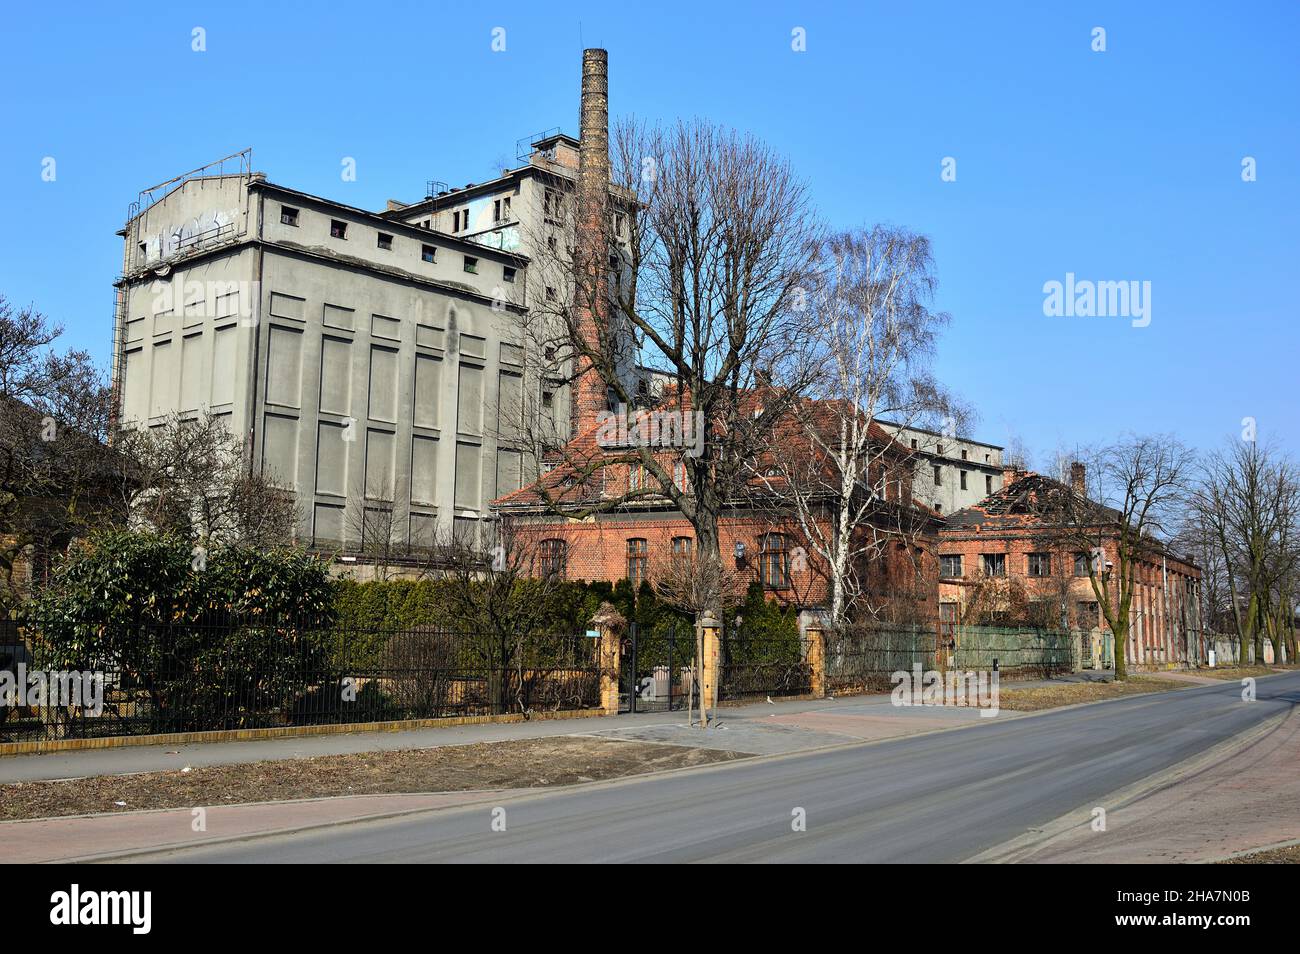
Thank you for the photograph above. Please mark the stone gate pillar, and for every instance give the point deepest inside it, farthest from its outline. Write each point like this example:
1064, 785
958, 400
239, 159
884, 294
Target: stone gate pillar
710, 664
610, 624
816, 637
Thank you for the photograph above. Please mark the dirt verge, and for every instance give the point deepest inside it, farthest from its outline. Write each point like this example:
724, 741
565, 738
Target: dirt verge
1289, 855
1033, 698
528, 763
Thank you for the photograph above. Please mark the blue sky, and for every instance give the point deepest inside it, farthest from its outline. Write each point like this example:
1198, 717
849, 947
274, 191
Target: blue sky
1115, 165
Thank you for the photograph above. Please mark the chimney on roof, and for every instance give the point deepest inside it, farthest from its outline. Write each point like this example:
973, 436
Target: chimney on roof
1078, 483
591, 312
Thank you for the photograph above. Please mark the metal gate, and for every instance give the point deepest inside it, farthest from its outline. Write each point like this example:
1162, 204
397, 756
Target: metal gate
656, 669
758, 664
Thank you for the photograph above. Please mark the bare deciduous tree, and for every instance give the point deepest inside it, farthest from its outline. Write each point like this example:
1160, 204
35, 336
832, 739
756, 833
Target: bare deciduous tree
55, 469
1246, 506
874, 334
1133, 495
188, 477
709, 287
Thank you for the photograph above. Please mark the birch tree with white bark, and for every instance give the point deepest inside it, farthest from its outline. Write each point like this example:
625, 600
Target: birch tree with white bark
849, 485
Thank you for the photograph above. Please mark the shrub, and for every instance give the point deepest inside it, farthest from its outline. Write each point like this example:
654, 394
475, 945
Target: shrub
218, 640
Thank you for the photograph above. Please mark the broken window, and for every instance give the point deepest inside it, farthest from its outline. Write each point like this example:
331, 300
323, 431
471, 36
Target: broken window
471, 264
554, 558
938, 476
988, 484
950, 565
508, 273
1040, 564
963, 480
288, 216
552, 203
995, 564
338, 229
501, 209
385, 241
428, 253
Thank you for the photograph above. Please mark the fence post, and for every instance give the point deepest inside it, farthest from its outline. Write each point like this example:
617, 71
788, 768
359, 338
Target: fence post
610, 623
817, 658
710, 663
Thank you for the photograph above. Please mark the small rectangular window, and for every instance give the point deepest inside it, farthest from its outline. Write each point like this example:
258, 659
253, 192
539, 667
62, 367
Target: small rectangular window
508, 273
938, 476
1040, 564
950, 565
288, 216
550, 293
471, 264
338, 229
385, 241
428, 253
988, 484
963, 480
963, 455
995, 564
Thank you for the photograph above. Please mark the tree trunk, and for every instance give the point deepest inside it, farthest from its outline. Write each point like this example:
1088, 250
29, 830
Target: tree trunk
1121, 653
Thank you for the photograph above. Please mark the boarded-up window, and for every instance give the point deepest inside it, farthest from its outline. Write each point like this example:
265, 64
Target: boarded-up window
332, 459
284, 367
223, 365
135, 397
424, 470
383, 384
469, 482
428, 390
469, 400
280, 450
510, 407
336, 375
379, 465
162, 398
328, 524
509, 472
191, 373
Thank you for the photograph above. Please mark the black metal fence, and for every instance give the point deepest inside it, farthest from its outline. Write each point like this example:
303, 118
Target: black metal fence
863, 659
252, 673
756, 664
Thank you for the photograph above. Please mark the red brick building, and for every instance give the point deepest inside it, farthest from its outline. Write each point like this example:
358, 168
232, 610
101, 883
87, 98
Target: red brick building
611, 525
1009, 558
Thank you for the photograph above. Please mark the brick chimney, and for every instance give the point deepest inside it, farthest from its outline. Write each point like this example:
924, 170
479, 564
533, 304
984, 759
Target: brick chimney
1078, 483
591, 247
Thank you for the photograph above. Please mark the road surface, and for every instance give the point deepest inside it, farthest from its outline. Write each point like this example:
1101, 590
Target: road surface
936, 798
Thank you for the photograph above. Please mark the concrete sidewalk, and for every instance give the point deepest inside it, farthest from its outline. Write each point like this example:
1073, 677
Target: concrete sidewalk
1245, 800
759, 729
85, 837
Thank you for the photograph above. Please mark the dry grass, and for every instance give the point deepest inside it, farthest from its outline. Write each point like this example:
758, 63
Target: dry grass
1274, 856
531, 763
1241, 672
1033, 698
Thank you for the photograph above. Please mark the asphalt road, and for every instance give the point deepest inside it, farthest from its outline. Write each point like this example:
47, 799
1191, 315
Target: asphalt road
941, 797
